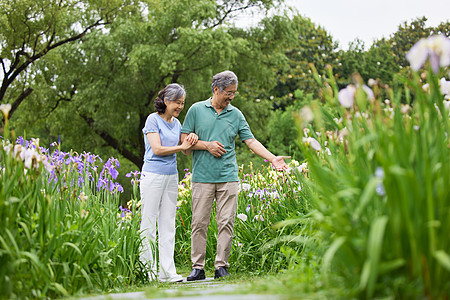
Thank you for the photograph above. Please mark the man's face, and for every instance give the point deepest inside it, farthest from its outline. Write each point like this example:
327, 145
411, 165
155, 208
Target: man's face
224, 98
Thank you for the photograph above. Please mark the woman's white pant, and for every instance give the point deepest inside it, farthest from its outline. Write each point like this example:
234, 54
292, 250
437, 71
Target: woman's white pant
159, 200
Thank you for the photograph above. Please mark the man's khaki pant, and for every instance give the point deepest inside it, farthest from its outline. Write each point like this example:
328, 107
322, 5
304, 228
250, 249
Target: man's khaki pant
203, 195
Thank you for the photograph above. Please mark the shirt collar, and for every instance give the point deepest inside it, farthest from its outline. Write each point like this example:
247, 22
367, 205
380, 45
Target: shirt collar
228, 108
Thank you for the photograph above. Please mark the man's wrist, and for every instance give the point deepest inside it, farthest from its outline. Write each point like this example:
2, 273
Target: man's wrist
207, 145
201, 145
271, 158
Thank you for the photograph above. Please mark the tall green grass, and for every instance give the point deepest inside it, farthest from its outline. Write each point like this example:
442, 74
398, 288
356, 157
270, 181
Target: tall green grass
61, 235
380, 196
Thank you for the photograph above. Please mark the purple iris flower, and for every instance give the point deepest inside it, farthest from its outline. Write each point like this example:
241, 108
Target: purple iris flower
119, 187
83, 163
113, 172
101, 182
135, 174
89, 158
44, 150
111, 186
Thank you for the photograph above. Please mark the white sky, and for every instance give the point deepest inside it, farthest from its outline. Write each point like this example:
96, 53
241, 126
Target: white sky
347, 20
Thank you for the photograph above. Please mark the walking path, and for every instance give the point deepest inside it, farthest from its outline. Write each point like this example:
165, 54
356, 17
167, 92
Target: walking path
202, 289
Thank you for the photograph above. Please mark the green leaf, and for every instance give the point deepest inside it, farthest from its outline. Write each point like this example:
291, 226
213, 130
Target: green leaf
75, 247
366, 196
443, 258
331, 251
386, 267
60, 288
374, 246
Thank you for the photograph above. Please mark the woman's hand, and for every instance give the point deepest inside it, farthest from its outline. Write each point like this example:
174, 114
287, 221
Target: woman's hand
185, 145
192, 138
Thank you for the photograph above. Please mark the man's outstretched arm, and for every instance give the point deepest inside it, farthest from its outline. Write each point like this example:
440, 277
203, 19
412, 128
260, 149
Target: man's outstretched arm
260, 150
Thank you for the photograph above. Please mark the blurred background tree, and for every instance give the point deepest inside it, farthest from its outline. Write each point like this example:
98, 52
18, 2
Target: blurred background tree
385, 57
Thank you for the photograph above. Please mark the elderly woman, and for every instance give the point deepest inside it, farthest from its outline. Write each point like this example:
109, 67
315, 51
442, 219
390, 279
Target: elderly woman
159, 182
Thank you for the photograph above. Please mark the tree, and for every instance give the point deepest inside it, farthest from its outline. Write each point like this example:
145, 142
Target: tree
387, 56
30, 29
311, 45
104, 84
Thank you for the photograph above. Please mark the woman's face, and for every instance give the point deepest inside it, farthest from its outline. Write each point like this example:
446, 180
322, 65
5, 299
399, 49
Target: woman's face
173, 108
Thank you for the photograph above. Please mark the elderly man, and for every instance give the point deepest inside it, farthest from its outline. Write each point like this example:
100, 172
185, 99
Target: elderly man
215, 170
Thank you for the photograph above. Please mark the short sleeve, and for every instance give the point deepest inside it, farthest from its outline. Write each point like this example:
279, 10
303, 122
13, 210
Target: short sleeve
151, 125
178, 127
189, 121
244, 129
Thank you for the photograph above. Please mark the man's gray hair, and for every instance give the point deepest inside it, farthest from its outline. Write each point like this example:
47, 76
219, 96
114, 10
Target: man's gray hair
223, 79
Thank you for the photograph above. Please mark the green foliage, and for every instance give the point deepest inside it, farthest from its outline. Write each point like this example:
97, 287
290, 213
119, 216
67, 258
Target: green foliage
89, 71
283, 130
386, 57
29, 30
311, 44
105, 82
61, 234
380, 196
266, 198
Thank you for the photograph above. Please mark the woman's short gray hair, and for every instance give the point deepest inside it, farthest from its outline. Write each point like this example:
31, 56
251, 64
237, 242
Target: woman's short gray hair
223, 79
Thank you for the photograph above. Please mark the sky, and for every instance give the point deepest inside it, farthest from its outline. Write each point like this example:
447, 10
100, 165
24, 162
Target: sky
367, 20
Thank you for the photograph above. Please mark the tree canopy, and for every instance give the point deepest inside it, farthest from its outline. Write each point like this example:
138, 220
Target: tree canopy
30, 29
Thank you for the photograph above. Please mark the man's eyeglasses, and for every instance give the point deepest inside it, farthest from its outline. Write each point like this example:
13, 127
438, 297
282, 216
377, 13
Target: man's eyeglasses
229, 93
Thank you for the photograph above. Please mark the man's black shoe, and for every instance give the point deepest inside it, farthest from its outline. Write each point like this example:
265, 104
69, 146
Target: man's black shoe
221, 272
196, 274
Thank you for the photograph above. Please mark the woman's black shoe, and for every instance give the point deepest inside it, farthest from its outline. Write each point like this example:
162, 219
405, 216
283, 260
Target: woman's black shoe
196, 274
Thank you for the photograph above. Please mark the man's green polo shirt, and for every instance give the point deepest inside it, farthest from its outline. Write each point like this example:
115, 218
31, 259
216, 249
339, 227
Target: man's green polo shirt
203, 120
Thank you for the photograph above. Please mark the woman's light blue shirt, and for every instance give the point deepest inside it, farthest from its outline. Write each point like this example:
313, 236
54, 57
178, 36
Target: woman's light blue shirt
169, 134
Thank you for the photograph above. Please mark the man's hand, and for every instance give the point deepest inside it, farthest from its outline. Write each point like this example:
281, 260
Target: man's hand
279, 164
215, 148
